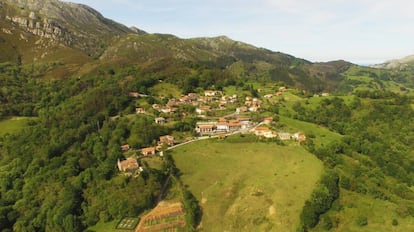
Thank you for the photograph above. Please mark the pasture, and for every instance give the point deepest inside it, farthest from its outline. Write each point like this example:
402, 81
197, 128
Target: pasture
248, 186
13, 124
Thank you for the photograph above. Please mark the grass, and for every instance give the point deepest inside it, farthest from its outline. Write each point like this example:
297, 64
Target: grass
379, 214
104, 227
165, 90
322, 135
13, 125
248, 186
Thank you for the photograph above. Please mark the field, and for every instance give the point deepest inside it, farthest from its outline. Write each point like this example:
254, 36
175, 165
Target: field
165, 217
13, 125
248, 186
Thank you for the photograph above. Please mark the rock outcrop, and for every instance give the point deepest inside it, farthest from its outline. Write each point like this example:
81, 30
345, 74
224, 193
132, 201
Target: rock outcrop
71, 24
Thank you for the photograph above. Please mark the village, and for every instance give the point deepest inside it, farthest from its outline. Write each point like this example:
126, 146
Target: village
215, 116
208, 125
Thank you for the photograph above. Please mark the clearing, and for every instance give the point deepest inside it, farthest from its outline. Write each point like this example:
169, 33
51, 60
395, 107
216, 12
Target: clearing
248, 186
14, 124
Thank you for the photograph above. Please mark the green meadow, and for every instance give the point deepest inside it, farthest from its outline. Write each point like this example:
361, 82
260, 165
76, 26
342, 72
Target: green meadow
247, 186
13, 125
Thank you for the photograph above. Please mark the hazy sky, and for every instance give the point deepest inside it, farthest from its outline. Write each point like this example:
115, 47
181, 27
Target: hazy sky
360, 31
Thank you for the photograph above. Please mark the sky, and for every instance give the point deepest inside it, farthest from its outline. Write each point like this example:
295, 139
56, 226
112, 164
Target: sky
359, 31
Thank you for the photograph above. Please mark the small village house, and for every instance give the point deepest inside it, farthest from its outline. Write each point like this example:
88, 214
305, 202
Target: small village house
166, 139
268, 120
211, 93
264, 132
128, 165
284, 136
234, 125
260, 131
125, 147
203, 109
244, 121
206, 127
299, 137
242, 109
222, 126
139, 110
148, 151
160, 120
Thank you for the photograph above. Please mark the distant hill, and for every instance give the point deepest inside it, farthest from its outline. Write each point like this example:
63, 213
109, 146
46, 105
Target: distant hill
397, 64
70, 39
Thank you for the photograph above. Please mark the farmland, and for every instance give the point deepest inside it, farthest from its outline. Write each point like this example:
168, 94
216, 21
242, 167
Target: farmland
243, 185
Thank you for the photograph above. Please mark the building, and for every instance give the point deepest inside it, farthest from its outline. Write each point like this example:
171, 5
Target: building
139, 110
242, 109
234, 125
211, 93
244, 121
128, 165
203, 109
148, 151
160, 120
268, 120
206, 127
222, 126
284, 136
125, 147
168, 109
166, 139
260, 131
299, 137
264, 132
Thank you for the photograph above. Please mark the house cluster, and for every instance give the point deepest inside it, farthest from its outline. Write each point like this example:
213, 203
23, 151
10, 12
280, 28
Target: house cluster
266, 132
131, 167
223, 125
193, 99
250, 104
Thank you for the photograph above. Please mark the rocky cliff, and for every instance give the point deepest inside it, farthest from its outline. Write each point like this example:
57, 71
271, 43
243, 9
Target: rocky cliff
71, 24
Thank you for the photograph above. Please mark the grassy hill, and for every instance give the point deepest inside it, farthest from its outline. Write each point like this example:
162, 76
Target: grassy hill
246, 186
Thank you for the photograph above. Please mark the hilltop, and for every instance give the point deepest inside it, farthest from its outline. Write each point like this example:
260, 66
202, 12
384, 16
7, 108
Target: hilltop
397, 64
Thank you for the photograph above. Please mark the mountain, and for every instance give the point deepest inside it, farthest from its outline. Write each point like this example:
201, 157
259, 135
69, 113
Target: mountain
34, 29
397, 64
51, 31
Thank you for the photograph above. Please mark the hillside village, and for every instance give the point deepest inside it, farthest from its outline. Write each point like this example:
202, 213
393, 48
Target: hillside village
207, 108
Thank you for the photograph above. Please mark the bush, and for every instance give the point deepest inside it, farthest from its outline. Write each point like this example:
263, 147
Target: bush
362, 221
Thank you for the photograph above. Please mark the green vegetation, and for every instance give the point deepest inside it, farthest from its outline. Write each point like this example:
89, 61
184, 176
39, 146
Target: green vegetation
14, 124
244, 185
